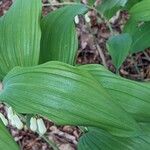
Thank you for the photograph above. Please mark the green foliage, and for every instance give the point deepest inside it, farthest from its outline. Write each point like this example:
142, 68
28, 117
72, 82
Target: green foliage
119, 47
6, 141
63, 90
59, 39
133, 96
141, 11
20, 35
109, 7
101, 140
88, 95
131, 3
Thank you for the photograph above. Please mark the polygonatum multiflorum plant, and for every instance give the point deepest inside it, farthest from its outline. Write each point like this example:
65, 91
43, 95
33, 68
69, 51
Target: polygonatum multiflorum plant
40, 78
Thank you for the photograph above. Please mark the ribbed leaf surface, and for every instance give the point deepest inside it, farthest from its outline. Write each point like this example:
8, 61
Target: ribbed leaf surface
141, 11
59, 38
133, 96
101, 140
66, 95
6, 141
20, 35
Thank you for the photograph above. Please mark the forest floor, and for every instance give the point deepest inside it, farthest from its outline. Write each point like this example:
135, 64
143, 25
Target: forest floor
92, 49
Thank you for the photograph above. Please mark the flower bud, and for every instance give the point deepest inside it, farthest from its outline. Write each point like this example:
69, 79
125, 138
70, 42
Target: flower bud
4, 120
10, 113
17, 122
76, 19
87, 18
41, 127
33, 124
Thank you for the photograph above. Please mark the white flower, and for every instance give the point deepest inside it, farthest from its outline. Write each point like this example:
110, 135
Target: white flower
4, 120
10, 113
87, 18
41, 127
17, 122
33, 124
76, 19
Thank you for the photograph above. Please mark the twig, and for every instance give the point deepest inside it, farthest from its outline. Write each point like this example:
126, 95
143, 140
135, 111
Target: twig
53, 145
101, 55
147, 56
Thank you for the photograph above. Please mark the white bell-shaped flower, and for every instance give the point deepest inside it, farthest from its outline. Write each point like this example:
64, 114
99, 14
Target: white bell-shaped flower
41, 126
33, 124
4, 120
87, 18
18, 123
10, 113
76, 19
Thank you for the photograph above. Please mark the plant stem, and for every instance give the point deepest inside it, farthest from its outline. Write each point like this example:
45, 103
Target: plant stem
53, 145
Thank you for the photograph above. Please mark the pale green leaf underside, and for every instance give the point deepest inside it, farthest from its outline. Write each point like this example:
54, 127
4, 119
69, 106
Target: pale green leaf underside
141, 11
20, 35
101, 140
133, 96
66, 95
6, 141
59, 38
119, 47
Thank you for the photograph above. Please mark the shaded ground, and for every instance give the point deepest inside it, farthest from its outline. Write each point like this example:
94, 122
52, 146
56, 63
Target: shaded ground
92, 49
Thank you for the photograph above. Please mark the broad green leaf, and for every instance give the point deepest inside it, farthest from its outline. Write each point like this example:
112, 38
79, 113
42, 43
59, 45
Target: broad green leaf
59, 38
20, 35
65, 95
6, 141
141, 11
133, 96
140, 37
131, 3
101, 140
131, 26
109, 7
118, 47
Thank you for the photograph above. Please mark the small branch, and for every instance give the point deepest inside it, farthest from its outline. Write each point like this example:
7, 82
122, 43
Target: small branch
101, 56
147, 56
53, 145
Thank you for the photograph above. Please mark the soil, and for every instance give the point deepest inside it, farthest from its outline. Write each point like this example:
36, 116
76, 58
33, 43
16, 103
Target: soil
92, 49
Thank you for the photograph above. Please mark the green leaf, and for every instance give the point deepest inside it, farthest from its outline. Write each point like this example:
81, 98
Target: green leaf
131, 3
109, 7
141, 11
20, 35
118, 47
140, 36
141, 39
65, 95
91, 2
59, 38
133, 96
6, 141
101, 140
